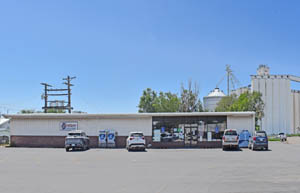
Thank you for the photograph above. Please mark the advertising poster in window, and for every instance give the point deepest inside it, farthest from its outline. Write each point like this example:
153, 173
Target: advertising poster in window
209, 136
156, 135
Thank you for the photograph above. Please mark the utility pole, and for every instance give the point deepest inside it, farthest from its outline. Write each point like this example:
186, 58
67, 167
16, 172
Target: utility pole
45, 97
58, 104
68, 83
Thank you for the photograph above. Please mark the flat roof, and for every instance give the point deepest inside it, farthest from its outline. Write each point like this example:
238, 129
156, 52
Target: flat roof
125, 115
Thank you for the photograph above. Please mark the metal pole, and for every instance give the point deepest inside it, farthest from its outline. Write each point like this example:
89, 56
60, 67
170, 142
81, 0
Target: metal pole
69, 94
68, 83
46, 96
46, 99
228, 83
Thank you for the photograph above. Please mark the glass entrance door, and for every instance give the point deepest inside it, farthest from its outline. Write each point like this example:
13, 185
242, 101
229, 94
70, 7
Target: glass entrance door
190, 136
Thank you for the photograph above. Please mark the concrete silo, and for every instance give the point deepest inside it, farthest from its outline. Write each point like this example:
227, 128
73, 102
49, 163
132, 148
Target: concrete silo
281, 103
211, 101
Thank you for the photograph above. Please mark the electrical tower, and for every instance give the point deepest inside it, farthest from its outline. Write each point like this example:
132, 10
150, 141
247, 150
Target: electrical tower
58, 104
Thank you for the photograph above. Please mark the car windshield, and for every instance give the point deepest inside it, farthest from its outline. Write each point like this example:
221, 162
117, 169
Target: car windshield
73, 140
74, 134
261, 134
230, 133
136, 135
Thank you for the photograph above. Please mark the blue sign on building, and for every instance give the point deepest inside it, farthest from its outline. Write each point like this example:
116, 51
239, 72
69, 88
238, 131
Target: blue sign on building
102, 136
217, 129
111, 136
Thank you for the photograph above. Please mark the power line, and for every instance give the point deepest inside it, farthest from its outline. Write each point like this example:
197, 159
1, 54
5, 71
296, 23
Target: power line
58, 92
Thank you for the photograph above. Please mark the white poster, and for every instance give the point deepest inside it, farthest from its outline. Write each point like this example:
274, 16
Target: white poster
208, 136
68, 125
156, 135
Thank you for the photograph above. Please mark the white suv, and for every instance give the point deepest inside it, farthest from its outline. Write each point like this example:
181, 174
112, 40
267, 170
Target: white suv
136, 141
230, 139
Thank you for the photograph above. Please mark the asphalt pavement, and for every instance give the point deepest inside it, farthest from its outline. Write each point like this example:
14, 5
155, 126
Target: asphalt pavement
32, 170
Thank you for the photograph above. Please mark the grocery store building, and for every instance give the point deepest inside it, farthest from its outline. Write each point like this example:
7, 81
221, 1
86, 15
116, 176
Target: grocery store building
162, 130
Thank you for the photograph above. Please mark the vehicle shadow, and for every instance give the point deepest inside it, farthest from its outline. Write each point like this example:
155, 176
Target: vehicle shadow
138, 150
233, 150
78, 150
259, 150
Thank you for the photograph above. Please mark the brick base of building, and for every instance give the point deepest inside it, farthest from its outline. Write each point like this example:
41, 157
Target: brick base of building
59, 142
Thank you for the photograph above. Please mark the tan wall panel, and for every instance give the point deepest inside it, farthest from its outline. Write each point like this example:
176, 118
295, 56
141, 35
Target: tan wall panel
241, 123
51, 127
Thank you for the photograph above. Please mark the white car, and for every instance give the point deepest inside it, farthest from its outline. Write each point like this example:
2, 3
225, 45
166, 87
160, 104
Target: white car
136, 141
230, 139
282, 137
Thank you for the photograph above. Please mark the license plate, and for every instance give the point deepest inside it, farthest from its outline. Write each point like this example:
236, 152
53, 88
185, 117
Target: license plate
261, 139
73, 145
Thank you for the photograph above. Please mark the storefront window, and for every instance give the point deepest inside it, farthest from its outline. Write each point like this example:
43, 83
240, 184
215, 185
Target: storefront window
190, 130
167, 129
215, 128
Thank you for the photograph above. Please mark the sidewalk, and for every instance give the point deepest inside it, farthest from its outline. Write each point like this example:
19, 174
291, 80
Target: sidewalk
293, 140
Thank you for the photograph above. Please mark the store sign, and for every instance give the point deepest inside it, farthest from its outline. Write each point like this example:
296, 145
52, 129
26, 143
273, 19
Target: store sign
68, 126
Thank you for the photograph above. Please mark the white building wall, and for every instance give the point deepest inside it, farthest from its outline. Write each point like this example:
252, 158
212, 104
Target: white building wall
262, 88
278, 102
289, 107
51, 127
296, 111
240, 91
282, 125
269, 109
241, 123
276, 112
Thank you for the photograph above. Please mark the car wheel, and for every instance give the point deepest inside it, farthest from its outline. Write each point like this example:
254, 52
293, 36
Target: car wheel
67, 150
267, 148
223, 148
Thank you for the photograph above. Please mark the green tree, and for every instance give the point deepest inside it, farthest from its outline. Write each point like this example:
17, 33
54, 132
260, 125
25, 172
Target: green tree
27, 111
147, 101
248, 101
56, 111
189, 97
188, 101
225, 103
166, 102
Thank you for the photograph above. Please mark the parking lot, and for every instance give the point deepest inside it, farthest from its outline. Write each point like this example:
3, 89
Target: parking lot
155, 171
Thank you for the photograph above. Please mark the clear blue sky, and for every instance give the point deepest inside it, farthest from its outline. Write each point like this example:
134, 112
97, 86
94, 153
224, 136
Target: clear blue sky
118, 48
